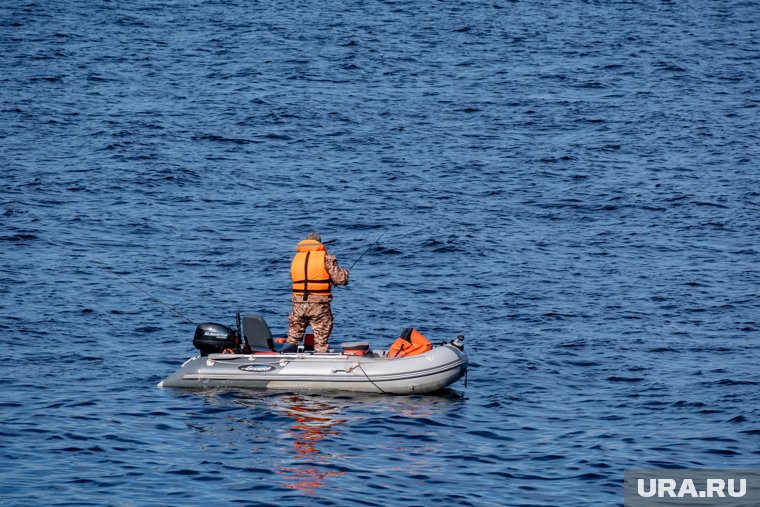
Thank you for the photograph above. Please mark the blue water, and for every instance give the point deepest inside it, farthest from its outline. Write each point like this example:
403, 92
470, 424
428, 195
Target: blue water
574, 186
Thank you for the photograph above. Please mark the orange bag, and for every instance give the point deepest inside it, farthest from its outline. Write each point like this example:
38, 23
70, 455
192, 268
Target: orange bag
410, 343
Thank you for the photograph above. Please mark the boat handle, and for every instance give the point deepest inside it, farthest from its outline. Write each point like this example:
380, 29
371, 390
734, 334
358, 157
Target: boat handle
346, 368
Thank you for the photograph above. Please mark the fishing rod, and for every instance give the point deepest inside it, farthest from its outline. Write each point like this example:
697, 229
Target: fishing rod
367, 250
109, 269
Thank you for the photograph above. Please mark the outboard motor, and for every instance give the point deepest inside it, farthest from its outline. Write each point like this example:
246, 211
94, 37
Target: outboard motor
458, 342
213, 338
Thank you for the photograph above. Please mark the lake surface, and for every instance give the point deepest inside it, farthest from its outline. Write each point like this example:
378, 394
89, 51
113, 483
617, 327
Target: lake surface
574, 186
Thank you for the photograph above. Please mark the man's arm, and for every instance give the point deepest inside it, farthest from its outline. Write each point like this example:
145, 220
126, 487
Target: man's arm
338, 275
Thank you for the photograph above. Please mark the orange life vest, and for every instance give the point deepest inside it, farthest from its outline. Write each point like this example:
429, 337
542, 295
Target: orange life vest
410, 343
308, 270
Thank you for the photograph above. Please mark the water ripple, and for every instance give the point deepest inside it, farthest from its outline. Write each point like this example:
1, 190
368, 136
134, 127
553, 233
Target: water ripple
570, 187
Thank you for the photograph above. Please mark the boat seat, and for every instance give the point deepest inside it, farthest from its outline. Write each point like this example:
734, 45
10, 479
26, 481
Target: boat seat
355, 348
257, 334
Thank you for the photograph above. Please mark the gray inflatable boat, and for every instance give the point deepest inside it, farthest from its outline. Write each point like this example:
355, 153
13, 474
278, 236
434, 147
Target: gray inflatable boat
249, 359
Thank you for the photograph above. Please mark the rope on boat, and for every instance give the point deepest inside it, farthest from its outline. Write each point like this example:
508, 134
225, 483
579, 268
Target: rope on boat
365, 374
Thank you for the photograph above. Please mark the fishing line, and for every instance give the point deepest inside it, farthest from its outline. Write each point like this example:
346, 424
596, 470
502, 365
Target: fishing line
172, 309
111, 270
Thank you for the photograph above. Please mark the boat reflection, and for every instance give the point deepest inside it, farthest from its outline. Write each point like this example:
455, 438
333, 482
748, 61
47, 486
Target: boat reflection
309, 438
314, 421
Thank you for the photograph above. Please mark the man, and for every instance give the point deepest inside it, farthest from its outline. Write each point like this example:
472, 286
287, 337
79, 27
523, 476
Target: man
313, 272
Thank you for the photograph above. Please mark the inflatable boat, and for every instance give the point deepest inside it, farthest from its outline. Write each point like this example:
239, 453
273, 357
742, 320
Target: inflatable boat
251, 359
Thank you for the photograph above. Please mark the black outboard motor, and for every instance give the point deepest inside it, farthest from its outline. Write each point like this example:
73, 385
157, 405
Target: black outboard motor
213, 338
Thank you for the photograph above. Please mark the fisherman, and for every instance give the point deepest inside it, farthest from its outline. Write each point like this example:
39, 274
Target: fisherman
313, 272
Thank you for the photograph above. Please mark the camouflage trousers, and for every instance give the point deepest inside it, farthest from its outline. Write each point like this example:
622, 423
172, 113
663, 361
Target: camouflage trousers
318, 315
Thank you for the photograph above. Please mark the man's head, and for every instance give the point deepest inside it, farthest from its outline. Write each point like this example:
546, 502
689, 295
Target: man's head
315, 236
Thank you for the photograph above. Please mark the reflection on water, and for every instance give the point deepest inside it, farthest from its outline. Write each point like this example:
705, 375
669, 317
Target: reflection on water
306, 438
314, 420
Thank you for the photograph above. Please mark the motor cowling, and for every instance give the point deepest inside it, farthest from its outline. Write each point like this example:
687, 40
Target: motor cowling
211, 338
